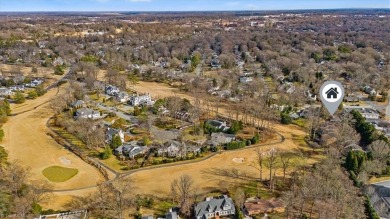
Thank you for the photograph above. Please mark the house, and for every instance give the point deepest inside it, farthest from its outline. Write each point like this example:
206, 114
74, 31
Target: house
171, 214
137, 99
18, 79
112, 90
87, 113
148, 217
214, 207
351, 99
17, 88
58, 61
220, 138
332, 93
220, 125
70, 215
77, 104
172, 149
111, 133
245, 79
123, 97
131, 149
310, 96
294, 116
261, 206
5, 91
367, 112
34, 83
369, 90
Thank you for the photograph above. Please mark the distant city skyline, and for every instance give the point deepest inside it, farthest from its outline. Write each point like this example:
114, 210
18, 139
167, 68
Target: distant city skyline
184, 5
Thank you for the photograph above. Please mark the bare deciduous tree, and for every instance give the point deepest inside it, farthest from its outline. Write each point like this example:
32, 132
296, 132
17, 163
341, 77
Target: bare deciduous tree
182, 191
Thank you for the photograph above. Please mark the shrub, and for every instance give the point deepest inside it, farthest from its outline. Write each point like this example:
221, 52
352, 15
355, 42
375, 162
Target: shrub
32, 94
19, 97
285, 118
59, 70
236, 126
105, 154
235, 145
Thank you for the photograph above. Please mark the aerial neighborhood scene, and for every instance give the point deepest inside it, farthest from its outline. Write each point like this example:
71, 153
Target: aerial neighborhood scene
154, 109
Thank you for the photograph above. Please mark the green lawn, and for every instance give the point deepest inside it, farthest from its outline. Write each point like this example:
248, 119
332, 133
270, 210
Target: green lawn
300, 122
59, 174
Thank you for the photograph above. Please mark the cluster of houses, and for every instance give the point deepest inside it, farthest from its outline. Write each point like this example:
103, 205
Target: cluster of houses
224, 206
124, 97
7, 91
171, 148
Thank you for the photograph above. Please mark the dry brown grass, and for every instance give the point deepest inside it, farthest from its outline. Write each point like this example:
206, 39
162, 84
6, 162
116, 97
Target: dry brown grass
210, 174
26, 141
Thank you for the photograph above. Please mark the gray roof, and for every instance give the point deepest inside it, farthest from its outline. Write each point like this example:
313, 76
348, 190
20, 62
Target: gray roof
213, 205
112, 131
171, 215
77, 103
87, 111
221, 138
148, 217
131, 149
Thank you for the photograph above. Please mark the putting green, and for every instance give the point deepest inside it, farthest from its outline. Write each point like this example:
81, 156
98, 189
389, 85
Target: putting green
59, 174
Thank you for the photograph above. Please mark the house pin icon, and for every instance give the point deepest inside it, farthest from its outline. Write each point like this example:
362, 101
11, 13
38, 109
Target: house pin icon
331, 95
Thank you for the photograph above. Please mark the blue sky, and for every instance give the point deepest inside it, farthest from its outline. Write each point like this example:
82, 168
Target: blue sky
184, 5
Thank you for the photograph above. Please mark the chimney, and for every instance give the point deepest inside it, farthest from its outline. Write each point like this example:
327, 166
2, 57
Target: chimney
335, 89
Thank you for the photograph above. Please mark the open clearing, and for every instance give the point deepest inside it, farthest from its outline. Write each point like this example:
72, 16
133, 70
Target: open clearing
26, 141
59, 174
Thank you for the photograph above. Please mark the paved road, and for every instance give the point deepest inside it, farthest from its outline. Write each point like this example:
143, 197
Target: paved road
385, 183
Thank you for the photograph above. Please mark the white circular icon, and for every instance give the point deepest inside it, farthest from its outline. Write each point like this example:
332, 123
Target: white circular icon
332, 93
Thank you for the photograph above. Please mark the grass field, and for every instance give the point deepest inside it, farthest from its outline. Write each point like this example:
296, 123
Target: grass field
59, 174
209, 175
27, 141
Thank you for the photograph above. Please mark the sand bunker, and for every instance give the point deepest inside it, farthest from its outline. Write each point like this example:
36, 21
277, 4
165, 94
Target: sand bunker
239, 160
64, 160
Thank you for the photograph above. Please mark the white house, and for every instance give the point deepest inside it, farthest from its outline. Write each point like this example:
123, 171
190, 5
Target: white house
87, 113
5, 91
136, 100
34, 83
123, 97
172, 149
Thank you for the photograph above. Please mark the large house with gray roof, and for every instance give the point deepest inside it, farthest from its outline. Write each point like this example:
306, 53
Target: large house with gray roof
215, 207
87, 113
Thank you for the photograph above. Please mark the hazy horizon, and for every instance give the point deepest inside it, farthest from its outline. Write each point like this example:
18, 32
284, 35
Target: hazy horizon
183, 6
